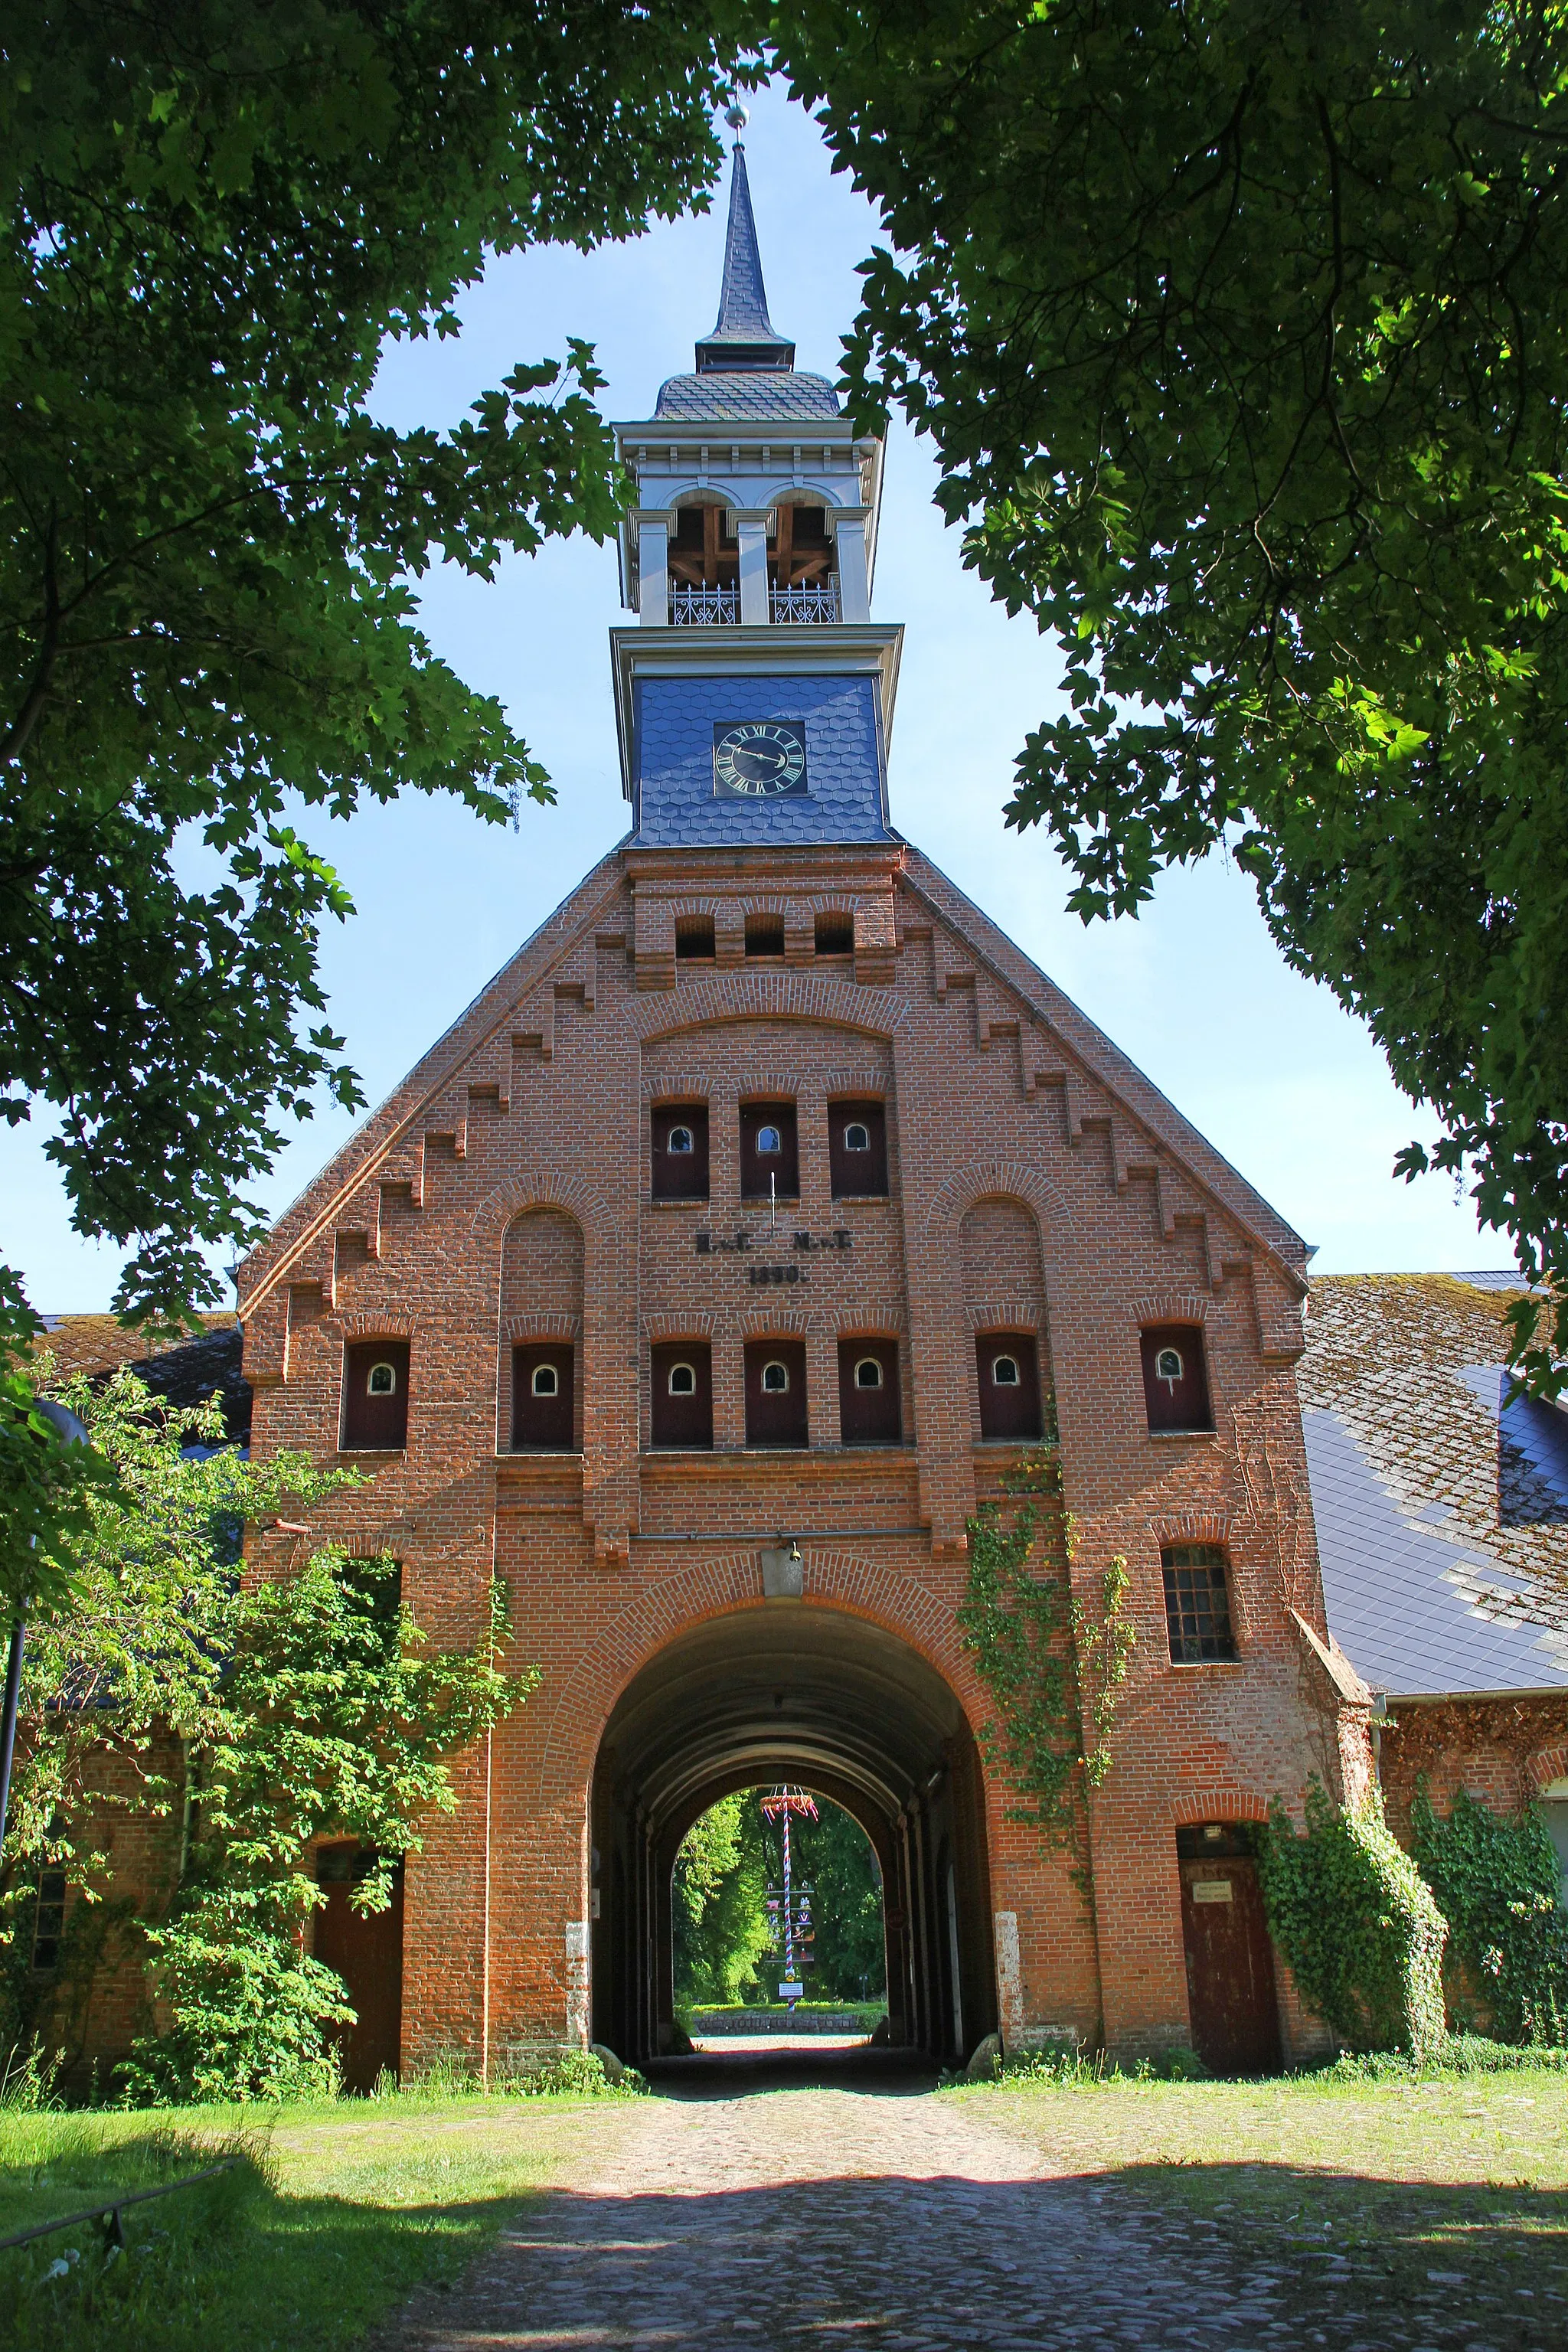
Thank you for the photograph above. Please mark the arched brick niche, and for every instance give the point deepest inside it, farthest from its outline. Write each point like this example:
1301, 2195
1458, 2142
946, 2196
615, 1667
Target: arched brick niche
541, 1327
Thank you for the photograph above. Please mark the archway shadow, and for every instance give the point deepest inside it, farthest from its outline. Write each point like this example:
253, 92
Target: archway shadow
737, 2074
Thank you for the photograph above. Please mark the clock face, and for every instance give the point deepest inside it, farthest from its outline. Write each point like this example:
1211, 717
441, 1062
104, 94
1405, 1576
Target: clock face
759, 759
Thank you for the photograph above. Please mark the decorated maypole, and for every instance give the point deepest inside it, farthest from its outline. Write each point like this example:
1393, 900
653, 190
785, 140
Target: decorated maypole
791, 1914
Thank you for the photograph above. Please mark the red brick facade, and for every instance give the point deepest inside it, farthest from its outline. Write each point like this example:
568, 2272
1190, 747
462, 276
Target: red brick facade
709, 1615
1037, 1186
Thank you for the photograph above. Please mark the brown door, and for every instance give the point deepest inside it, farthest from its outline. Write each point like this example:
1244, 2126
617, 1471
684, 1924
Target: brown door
366, 1950
1230, 1967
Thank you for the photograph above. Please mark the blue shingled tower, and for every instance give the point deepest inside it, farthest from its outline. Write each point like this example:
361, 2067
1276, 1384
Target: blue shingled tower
756, 694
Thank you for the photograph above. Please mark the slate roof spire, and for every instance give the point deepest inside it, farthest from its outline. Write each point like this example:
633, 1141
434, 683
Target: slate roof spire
743, 334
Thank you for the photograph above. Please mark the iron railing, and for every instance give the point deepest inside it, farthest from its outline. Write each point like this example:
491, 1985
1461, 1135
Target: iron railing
107, 2214
817, 604
692, 606
695, 607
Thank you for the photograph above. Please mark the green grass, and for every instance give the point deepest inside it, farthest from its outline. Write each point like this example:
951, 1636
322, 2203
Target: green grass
337, 2213
1400, 2200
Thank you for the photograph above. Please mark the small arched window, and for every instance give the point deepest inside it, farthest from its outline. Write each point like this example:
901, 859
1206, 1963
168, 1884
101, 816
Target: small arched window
1168, 1366
1004, 1371
381, 1380
681, 1140
770, 1142
683, 1380
776, 1378
868, 1374
857, 1138
546, 1380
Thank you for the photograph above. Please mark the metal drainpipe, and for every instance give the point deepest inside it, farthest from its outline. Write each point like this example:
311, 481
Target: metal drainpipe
74, 1432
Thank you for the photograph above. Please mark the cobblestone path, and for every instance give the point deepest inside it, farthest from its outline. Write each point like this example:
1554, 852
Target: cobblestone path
876, 2217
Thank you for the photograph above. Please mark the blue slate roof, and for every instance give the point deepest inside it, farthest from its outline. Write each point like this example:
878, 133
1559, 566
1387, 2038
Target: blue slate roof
762, 392
742, 327
1441, 1510
1415, 1612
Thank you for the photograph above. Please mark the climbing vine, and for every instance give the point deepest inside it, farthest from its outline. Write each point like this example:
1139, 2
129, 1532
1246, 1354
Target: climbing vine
1497, 1884
1048, 1660
1357, 1923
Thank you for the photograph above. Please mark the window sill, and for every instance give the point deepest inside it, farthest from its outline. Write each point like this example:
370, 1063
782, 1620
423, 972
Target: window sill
1163, 1436
670, 1200
1205, 1665
859, 1199
382, 1452
539, 1453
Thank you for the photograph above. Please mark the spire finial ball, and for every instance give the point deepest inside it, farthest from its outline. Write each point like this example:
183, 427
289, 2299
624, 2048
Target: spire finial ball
737, 118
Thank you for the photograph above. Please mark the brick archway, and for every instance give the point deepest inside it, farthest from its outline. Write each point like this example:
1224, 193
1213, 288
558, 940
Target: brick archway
821, 1693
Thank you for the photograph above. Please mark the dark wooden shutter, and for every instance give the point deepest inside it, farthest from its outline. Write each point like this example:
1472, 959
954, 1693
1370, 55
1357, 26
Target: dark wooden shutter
680, 1175
542, 1424
375, 1424
682, 1420
1184, 1404
863, 1172
1008, 1412
756, 1169
869, 1416
773, 1418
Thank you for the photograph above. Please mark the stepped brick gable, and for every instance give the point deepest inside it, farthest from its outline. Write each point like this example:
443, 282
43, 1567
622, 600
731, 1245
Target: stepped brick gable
624, 1392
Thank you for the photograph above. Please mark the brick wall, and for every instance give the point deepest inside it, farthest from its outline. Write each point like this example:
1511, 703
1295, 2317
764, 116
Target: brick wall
505, 1187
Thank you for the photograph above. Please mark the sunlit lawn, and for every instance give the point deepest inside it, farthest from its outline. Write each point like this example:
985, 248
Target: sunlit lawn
340, 2212
1422, 2211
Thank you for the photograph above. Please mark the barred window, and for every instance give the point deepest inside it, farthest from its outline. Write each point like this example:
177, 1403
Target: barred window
1197, 1608
49, 1920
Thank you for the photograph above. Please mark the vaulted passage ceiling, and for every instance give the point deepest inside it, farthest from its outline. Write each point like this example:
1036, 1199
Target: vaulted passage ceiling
781, 1692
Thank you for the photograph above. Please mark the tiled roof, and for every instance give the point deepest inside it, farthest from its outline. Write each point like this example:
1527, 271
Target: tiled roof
96, 1343
186, 1370
743, 393
1442, 1513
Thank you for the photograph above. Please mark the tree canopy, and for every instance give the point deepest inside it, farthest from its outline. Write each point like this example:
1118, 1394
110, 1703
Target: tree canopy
257, 1716
1241, 329
218, 212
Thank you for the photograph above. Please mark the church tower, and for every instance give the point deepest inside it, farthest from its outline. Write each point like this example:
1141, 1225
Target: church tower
764, 1222
755, 696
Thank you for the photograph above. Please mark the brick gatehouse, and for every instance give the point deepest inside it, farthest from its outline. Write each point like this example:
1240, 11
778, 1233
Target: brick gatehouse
704, 1277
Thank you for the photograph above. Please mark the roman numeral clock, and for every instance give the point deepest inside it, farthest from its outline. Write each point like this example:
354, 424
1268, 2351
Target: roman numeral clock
759, 759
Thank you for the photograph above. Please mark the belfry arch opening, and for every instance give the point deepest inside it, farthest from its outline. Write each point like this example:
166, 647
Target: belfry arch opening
793, 1692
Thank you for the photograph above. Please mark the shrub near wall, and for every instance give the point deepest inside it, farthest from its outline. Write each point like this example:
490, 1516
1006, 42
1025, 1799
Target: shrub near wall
1497, 1886
1357, 1923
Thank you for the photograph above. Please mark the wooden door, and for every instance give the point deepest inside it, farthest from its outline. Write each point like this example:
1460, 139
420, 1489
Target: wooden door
1230, 1967
366, 1950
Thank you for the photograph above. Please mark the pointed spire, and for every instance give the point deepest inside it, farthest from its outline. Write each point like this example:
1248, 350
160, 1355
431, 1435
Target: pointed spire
744, 335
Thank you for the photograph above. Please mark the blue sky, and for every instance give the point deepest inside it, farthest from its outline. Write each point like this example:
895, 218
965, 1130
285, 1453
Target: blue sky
1290, 1087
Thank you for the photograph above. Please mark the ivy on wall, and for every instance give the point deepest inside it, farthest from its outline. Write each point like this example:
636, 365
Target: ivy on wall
1498, 1885
1051, 1664
1357, 1923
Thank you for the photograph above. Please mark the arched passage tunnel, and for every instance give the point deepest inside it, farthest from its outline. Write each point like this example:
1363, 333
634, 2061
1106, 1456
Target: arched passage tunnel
793, 1692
